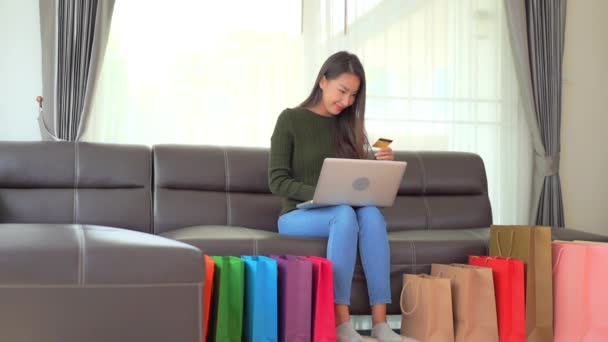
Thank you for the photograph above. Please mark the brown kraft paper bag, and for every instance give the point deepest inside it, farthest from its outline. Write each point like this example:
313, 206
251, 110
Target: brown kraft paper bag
426, 307
473, 301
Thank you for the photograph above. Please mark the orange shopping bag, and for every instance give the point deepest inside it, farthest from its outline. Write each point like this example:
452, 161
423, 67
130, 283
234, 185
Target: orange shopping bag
207, 292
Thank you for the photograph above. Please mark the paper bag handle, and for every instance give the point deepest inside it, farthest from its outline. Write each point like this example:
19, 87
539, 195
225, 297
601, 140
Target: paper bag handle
510, 244
407, 313
486, 259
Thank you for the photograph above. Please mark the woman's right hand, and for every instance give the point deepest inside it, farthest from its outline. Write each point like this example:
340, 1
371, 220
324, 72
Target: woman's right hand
385, 153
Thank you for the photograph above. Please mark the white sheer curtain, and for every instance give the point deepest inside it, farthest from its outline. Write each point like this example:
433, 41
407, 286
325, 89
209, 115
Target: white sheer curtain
440, 76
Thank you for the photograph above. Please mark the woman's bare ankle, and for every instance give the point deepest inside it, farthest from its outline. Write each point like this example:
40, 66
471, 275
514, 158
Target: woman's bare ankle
342, 314
378, 313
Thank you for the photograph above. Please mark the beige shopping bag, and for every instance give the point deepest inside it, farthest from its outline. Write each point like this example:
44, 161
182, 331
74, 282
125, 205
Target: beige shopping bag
532, 244
426, 308
473, 301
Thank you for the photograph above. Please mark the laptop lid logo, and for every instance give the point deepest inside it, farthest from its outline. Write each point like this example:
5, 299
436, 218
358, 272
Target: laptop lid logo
361, 183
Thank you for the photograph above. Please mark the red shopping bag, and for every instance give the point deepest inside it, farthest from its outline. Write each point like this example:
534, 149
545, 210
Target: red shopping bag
323, 313
509, 289
207, 291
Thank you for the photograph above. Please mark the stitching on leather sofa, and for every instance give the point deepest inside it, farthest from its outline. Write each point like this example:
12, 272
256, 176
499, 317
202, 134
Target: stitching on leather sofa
228, 204
76, 173
427, 209
413, 255
81, 247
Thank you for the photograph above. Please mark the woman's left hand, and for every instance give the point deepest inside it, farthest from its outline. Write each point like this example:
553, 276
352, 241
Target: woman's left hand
385, 153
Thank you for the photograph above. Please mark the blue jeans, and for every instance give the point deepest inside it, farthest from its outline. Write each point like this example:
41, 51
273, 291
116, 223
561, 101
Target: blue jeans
346, 227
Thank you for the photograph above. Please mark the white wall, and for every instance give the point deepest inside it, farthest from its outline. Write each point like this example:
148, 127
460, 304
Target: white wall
20, 69
584, 155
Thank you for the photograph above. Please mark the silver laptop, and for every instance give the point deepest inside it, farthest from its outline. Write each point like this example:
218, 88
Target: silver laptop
357, 182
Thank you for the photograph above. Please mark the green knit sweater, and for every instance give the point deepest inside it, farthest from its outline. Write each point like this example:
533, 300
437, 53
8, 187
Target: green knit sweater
300, 142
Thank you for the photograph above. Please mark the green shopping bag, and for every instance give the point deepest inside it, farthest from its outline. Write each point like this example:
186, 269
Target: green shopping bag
226, 322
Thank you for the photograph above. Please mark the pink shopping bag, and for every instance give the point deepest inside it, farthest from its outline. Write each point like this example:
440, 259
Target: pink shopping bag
323, 313
580, 282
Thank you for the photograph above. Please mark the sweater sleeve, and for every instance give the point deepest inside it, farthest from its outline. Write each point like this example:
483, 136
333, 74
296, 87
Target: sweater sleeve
280, 175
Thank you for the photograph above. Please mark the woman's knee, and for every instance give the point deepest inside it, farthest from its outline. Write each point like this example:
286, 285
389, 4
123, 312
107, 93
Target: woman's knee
370, 213
346, 217
371, 219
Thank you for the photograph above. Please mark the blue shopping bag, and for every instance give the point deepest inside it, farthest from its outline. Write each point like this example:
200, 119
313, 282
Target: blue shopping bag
261, 300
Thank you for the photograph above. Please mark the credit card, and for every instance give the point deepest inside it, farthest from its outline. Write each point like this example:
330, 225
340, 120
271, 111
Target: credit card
382, 142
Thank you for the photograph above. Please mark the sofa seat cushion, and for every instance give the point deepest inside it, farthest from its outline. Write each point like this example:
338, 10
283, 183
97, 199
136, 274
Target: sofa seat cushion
74, 254
231, 240
97, 284
437, 246
412, 251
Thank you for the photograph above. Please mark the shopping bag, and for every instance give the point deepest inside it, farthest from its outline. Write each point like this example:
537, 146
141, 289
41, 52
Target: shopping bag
295, 298
426, 308
323, 312
532, 244
473, 301
510, 295
580, 297
260, 323
226, 323
207, 292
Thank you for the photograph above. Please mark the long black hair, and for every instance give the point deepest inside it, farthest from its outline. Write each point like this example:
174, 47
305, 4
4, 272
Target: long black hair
350, 137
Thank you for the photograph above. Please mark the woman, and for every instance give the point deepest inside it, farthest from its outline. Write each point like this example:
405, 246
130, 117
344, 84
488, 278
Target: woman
329, 123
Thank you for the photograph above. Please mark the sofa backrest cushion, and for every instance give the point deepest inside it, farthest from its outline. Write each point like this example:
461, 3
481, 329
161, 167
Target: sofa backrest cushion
441, 190
84, 183
208, 185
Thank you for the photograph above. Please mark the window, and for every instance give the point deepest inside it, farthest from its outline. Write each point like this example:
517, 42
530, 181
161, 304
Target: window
439, 77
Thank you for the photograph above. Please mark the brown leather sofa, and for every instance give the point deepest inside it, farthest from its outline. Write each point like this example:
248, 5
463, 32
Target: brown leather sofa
77, 260
218, 200
88, 232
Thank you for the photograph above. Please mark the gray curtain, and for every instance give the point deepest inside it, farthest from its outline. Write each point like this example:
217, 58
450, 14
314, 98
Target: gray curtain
536, 30
74, 35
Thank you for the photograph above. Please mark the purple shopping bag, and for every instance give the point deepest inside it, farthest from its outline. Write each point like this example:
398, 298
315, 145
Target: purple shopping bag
295, 298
